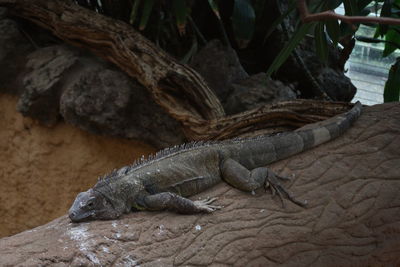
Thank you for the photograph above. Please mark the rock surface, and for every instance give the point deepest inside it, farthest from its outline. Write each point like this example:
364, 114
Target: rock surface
336, 84
44, 81
256, 91
330, 78
59, 81
105, 101
353, 217
14, 48
220, 67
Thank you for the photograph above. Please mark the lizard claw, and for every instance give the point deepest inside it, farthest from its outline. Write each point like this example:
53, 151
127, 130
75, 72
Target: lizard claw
273, 183
273, 190
288, 178
266, 185
204, 205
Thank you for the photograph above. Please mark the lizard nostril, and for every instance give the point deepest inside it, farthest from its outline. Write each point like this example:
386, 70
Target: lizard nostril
72, 215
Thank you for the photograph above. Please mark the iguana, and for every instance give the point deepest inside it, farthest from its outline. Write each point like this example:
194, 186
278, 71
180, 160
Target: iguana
166, 179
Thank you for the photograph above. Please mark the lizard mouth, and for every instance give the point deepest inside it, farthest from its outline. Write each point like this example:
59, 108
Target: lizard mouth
80, 217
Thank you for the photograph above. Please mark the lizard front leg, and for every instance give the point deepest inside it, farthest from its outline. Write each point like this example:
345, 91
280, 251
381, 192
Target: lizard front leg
240, 177
174, 202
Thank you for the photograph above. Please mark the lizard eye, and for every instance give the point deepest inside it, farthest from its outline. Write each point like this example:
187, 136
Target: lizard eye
90, 204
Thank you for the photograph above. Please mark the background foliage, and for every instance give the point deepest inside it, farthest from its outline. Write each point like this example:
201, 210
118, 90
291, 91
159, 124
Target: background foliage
182, 26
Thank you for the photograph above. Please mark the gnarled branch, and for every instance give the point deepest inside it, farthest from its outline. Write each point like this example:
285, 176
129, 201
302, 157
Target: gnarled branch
306, 16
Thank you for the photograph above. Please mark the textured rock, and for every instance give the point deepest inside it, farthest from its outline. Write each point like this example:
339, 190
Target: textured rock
14, 49
3, 13
353, 217
92, 95
220, 67
336, 84
330, 78
44, 81
106, 101
256, 91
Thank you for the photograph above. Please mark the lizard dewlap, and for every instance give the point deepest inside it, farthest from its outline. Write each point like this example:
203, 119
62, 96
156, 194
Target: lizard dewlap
165, 180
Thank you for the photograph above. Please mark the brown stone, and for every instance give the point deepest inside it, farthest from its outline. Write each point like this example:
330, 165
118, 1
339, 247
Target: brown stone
353, 218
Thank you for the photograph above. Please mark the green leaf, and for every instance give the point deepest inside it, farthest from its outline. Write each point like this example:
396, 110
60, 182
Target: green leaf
365, 12
333, 29
392, 86
181, 12
192, 51
134, 11
243, 22
350, 7
375, 41
361, 4
259, 7
315, 6
392, 38
347, 29
214, 8
395, 10
279, 20
370, 40
378, 32
147, 8
396, 29
387, 8
385, 12
321, 43
332, 4
287, 50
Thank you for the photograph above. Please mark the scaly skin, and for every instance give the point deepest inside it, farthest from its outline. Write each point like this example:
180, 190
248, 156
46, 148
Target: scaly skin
164, 181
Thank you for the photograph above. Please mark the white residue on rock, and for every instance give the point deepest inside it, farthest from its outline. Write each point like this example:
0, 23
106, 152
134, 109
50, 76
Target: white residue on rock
81, 235
93, 258
105, 249
161, 229
128, 261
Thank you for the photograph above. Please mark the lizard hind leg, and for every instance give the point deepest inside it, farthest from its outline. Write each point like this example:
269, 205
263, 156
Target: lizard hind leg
240, 177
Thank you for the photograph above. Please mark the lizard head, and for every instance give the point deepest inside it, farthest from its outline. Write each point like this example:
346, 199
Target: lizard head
91, 205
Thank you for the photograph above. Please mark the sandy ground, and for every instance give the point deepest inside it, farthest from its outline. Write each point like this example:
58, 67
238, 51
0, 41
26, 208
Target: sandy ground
42, 169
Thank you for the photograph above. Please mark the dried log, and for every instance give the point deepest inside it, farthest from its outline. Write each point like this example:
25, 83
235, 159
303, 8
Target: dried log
282, 116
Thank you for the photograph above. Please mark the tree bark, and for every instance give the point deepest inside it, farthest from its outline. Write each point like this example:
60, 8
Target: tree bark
268, 119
